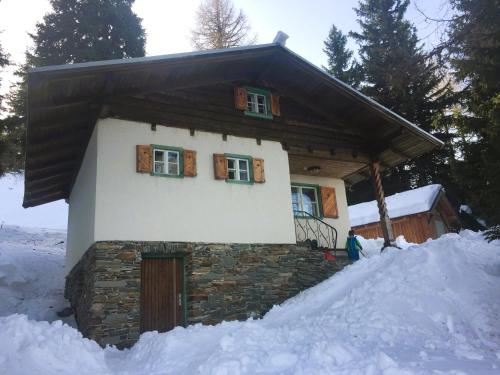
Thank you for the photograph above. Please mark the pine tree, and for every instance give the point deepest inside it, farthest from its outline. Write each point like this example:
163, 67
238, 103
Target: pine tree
474, 51
4, 146
219, 25
75, 31
340, 61
398, 74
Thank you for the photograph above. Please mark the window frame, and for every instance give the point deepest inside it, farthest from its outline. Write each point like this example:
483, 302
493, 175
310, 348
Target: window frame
238, 157
317, 192
267, 96
166, 149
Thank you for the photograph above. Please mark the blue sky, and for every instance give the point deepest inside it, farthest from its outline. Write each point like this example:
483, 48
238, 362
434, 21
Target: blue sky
168, 24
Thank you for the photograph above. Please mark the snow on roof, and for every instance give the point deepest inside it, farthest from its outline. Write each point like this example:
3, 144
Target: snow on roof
400, 204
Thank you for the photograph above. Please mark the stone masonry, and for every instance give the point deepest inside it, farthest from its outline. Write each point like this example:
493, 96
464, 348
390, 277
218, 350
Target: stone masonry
223, 282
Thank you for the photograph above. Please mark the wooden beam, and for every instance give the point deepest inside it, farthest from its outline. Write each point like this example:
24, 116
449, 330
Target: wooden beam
45, 198
54, 178
385, 221
235, 125
225, 109
172, 76
41, 159
46, 131
70, 139
33, 173
45, 190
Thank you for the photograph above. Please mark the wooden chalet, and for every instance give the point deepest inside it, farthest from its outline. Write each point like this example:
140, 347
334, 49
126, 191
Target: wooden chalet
146, 252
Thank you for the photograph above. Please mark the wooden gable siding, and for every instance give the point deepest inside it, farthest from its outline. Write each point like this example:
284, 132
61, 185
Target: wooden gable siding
415, 228
212, 109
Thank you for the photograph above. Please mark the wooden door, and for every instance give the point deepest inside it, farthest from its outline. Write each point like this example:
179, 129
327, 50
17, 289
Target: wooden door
161, 294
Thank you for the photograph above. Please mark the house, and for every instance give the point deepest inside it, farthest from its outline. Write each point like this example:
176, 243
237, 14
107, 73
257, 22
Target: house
183, 172
417, 214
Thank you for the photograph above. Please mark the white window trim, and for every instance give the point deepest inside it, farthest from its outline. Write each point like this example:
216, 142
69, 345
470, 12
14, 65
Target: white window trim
237, 170
166, 163
254, 103
301, 203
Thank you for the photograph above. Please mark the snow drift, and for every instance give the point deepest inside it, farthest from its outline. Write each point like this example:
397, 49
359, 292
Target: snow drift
32, 272
432, 308
51, 215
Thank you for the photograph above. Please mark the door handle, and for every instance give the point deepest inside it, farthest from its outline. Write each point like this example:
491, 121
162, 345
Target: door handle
180, 299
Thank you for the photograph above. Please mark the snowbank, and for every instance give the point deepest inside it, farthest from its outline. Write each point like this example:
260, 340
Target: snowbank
32, 272
372, 247
50, 215
400, 204
29, 347
432, 308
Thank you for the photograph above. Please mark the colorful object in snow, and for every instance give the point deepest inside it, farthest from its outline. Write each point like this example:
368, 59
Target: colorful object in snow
353, 247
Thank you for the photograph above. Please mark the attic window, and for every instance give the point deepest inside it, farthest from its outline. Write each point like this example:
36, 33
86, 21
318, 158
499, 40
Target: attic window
258, 103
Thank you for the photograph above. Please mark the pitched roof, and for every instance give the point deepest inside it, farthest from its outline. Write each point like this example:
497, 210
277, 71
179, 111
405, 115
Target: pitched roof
400, 204
65, 101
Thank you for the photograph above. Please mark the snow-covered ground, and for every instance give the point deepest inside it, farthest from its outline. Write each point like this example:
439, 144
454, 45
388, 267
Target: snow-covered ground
50, 215
428, 309
32, 272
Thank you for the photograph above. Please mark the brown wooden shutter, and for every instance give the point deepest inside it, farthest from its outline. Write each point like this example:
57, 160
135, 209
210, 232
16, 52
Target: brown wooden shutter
220, 167
144, 159
258, 170
240, 98
275, 105
189, 163
329, 202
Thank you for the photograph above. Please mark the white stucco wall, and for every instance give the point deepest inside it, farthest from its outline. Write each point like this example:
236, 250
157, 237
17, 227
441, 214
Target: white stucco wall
81, 210
135, 206
110, 201
342, 223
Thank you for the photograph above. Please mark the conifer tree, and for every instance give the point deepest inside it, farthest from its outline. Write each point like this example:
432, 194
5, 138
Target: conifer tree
474, 51
4, 61
75, 31
398, 74
340, 61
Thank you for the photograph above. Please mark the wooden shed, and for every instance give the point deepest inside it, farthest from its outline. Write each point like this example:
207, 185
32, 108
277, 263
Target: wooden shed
417, 214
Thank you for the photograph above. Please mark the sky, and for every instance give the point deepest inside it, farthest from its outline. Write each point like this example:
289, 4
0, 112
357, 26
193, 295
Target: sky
168, 24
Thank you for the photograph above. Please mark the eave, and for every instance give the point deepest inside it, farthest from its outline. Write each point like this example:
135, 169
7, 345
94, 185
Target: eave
64, 103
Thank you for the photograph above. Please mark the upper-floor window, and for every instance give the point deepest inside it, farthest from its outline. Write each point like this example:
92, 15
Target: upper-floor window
258, 103
238, 169
167, 161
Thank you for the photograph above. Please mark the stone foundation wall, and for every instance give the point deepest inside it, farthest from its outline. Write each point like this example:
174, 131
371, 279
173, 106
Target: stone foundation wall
224, 282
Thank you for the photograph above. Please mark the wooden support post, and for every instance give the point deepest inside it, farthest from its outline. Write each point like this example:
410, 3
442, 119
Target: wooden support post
385, 221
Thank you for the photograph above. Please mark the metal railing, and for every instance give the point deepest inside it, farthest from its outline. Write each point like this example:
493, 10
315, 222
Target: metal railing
311, 229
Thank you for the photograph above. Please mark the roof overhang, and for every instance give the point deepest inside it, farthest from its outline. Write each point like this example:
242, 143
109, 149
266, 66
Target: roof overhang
64, 103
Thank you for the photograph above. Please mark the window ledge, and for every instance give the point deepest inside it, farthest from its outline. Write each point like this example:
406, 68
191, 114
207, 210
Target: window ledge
239, 182
268, 116
167, 175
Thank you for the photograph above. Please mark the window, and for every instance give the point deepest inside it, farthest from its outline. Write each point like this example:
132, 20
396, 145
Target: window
305, 198
167, 161
239, 169
258, 103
